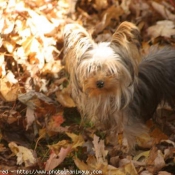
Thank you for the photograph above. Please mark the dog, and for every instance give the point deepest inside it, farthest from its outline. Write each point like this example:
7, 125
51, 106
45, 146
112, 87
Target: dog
113, 85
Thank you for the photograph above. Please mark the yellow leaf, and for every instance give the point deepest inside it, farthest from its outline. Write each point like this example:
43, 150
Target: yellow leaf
130, 169
8, 91
56, 147
144, 155
77, 140
80, 164
24, 155
64, 98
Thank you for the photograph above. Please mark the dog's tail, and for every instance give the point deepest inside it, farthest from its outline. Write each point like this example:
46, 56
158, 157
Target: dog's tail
156, 81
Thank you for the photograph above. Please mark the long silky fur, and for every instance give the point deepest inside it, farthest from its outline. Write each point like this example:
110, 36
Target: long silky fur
79, 51
141, 87
156, 84
156, 80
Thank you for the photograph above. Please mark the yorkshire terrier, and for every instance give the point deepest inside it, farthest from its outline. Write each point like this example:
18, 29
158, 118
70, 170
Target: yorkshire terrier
112, 84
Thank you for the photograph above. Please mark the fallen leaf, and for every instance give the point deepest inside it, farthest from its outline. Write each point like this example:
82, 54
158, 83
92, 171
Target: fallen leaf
55, 159
24, 155
162, 28
155, 161
164, 173
77, 140
99, 5
130, 169
99, 149
81, 165
161, 9
57, 146
112, 12
54, 124
63, 96
142, 155
30, 117
8, 91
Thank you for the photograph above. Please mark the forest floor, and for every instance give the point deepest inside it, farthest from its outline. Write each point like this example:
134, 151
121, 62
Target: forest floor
40, 128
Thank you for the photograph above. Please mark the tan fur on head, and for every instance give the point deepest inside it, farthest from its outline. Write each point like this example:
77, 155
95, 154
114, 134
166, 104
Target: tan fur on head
128, 36
77, 42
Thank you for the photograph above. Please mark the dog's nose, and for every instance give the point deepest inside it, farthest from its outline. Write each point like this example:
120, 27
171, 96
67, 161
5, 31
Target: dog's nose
100, 84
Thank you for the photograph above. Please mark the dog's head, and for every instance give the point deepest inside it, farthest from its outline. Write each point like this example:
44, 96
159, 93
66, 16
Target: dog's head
103, 69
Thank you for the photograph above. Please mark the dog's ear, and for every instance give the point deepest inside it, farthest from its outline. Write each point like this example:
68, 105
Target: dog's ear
127, 37
77, 41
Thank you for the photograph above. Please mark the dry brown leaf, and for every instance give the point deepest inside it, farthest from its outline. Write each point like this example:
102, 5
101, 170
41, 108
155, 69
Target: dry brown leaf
54, 125
8, 91
8, 26
39, 24
52, 67
99, 149
63, 96
55, 159
37, 101
125, 6
42, 134
72, 5
30, 117
2, 66
99, 4
12, 116
56, 147
93, 167
145, 173
159, 162
130, 169
24, 155
2, 148
164, 173
81, 165
162, 28
77, 140
155, 161
161, 9
112, 12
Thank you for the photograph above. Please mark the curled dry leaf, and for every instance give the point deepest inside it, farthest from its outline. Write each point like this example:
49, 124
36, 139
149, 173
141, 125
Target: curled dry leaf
63, 96
54, 125
37, 104
130, 169
99, 4
8, 91
30, 117
57, 147
112, 12
77, 140
55, 159
39, 23
92, 167
162, 28
24, 155
161, 9
99, 149
155, 161
164, 173
125, 6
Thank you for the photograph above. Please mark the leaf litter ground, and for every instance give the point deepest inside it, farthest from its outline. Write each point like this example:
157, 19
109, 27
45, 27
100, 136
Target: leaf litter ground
40, 128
